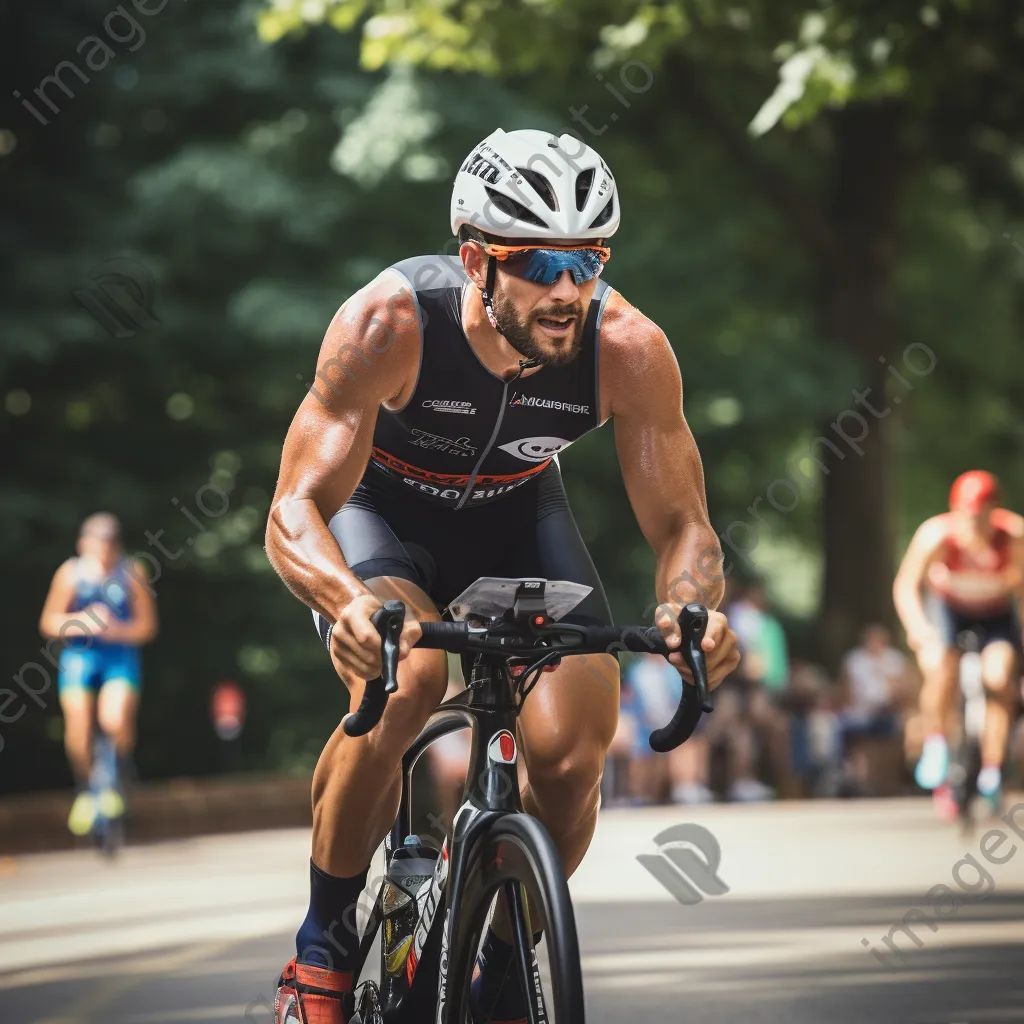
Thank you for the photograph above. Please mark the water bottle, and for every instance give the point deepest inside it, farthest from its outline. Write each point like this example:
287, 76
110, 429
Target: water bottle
409, 875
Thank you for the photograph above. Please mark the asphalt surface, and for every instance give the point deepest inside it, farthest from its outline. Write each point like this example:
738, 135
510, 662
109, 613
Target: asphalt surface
197, 930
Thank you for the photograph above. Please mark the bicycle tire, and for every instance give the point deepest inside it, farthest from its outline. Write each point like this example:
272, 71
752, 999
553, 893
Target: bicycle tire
968, 756
517, 848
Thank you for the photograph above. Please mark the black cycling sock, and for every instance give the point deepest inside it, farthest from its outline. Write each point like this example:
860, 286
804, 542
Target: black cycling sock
327, 937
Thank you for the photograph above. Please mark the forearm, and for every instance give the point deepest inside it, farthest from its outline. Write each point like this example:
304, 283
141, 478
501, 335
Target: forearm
689, 567
910, 608
135, 633
55, 625
306, 556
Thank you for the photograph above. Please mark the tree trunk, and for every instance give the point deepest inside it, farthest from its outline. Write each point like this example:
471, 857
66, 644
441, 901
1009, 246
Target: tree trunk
870, 167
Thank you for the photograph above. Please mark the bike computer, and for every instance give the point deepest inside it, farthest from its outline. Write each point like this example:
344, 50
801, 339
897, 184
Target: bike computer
491, 596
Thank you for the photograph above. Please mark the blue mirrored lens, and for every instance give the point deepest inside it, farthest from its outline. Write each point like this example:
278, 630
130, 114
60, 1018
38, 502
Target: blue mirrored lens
545, 266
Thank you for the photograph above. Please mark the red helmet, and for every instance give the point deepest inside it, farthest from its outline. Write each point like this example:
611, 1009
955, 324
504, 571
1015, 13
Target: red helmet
972, 490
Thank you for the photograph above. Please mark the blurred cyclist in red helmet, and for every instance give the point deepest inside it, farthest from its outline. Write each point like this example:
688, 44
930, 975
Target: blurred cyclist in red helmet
963, 570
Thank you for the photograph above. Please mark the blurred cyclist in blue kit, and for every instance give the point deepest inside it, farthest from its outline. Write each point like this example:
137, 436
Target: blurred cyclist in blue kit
102, 608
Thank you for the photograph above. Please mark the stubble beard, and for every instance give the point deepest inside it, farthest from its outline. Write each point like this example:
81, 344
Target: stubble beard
519, 333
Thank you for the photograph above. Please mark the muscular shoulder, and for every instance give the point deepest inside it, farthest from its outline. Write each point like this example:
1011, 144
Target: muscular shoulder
932, 533
373, 341
1009, 522
135, 569
67, 571
637, 361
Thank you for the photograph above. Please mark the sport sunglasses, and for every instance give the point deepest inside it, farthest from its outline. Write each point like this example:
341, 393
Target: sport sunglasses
545, 266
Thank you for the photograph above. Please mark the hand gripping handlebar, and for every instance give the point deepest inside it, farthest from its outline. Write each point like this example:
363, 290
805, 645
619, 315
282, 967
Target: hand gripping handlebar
457, 637
388, 620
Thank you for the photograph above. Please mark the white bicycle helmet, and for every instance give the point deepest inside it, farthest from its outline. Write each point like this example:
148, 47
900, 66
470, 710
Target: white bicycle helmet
532, 184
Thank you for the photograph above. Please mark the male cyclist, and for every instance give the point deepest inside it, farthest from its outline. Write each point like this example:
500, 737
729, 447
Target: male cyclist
971, 562
103, 613
425, 457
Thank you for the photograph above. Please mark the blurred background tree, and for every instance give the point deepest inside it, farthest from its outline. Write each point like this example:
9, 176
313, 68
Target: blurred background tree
263, 166
831, 117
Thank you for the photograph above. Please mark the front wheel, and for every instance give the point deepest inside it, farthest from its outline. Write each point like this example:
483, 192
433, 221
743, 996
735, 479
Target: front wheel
965, 765
516, 856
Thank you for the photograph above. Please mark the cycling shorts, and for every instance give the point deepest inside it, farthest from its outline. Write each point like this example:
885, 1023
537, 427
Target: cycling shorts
384, 530
1003, 625
90, 668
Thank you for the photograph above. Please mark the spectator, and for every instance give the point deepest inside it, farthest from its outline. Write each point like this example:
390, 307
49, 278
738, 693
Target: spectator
658, 688
618, 778
749, 721
651, 689
815, 731
876, 682
762, 639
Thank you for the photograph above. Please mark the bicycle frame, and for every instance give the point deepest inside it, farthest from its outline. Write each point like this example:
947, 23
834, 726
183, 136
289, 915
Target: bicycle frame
490, 709
487, 707
971, 686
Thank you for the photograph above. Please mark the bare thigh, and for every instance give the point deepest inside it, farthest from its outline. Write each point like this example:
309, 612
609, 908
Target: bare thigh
116, 708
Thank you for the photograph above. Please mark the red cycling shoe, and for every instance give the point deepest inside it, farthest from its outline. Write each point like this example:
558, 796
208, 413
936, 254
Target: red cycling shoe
310, 995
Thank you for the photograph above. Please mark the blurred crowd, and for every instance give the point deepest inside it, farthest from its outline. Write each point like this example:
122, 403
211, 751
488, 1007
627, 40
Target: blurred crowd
781, 726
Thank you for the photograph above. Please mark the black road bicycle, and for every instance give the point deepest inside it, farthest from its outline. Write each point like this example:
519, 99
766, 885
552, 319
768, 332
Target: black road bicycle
965, 755
429, 923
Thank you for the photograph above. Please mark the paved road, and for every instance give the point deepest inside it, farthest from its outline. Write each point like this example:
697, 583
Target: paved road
196, 931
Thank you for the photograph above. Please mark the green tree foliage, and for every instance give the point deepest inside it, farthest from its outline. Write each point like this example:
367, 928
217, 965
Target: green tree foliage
263, 168
855, 107
251, 183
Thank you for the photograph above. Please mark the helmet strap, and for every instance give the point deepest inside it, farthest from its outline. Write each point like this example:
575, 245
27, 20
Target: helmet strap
485, 294
488, 291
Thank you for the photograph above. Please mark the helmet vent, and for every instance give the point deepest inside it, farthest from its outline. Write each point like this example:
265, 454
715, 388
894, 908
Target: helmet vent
604, 216
584, 183
541, 186
513, 209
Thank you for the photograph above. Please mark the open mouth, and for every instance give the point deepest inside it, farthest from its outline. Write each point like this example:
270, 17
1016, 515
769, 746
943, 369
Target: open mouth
556, 325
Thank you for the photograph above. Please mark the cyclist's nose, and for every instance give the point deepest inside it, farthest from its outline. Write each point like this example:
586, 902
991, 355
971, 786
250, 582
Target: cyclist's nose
565, 288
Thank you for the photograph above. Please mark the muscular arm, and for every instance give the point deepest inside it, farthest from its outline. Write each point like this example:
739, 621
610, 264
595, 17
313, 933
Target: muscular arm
55, 614
660, 463
907, 587
1014, 524
143, 625
368, 356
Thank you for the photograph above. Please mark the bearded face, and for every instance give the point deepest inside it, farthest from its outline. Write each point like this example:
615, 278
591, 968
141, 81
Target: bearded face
550, 332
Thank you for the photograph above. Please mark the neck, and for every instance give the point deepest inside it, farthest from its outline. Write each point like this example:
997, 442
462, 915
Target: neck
983, 531
491, 347
99, 565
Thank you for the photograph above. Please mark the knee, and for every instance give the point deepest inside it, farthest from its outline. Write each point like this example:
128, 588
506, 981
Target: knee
116, 721
570, 779
938, 664
416, 698
112, 721
1002, 689
998, 665
421, 687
